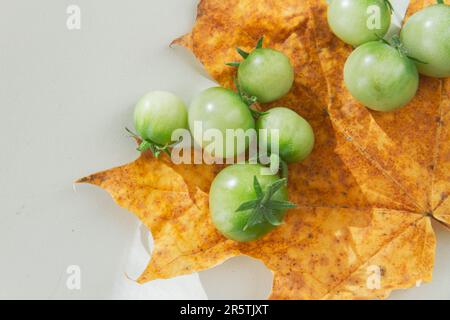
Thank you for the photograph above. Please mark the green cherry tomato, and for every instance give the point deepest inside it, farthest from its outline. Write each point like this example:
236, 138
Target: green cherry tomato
158, 114
220, 109
359, 21
380, 77
426, 36
266, 74
296, 136
234, 186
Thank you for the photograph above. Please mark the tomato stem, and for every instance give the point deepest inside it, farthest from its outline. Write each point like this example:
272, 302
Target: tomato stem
146, 144
249, 101
284, 169
397, 44
440, 1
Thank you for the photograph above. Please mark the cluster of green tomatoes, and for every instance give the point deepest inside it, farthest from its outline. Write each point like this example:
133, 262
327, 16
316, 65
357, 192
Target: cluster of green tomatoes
246, 199
382, 75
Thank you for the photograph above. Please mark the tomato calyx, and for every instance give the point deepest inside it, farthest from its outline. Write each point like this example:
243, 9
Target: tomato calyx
248, 100
264, 208
245, 54
440, 1
399, 46
146, 144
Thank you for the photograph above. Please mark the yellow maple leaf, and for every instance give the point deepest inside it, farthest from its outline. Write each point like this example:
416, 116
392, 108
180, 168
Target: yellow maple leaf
366, 195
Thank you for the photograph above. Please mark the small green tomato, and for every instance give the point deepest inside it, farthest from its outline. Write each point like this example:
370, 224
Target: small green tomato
265, 73
296, 136
157, 115
426, 36
220, 109
380, 76
245, 204
359, 21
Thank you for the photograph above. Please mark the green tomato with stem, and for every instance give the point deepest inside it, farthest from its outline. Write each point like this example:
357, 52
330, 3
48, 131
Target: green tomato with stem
426, 37
380, 76
295, 134
265, 73
359, 21
245, 204
157, 115
220, 109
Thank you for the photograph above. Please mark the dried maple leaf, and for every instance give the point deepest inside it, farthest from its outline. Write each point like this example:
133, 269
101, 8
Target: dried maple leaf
365, 195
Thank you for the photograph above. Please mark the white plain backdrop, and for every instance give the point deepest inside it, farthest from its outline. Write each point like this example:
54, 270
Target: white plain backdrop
65, 98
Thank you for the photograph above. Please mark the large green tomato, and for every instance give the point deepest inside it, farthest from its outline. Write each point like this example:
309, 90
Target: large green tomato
426, 36
380, 76
266, 74
234, 186
158, 114
359, 21
220, 109
296, 136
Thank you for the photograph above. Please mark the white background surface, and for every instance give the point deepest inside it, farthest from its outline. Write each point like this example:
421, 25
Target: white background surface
65, 97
